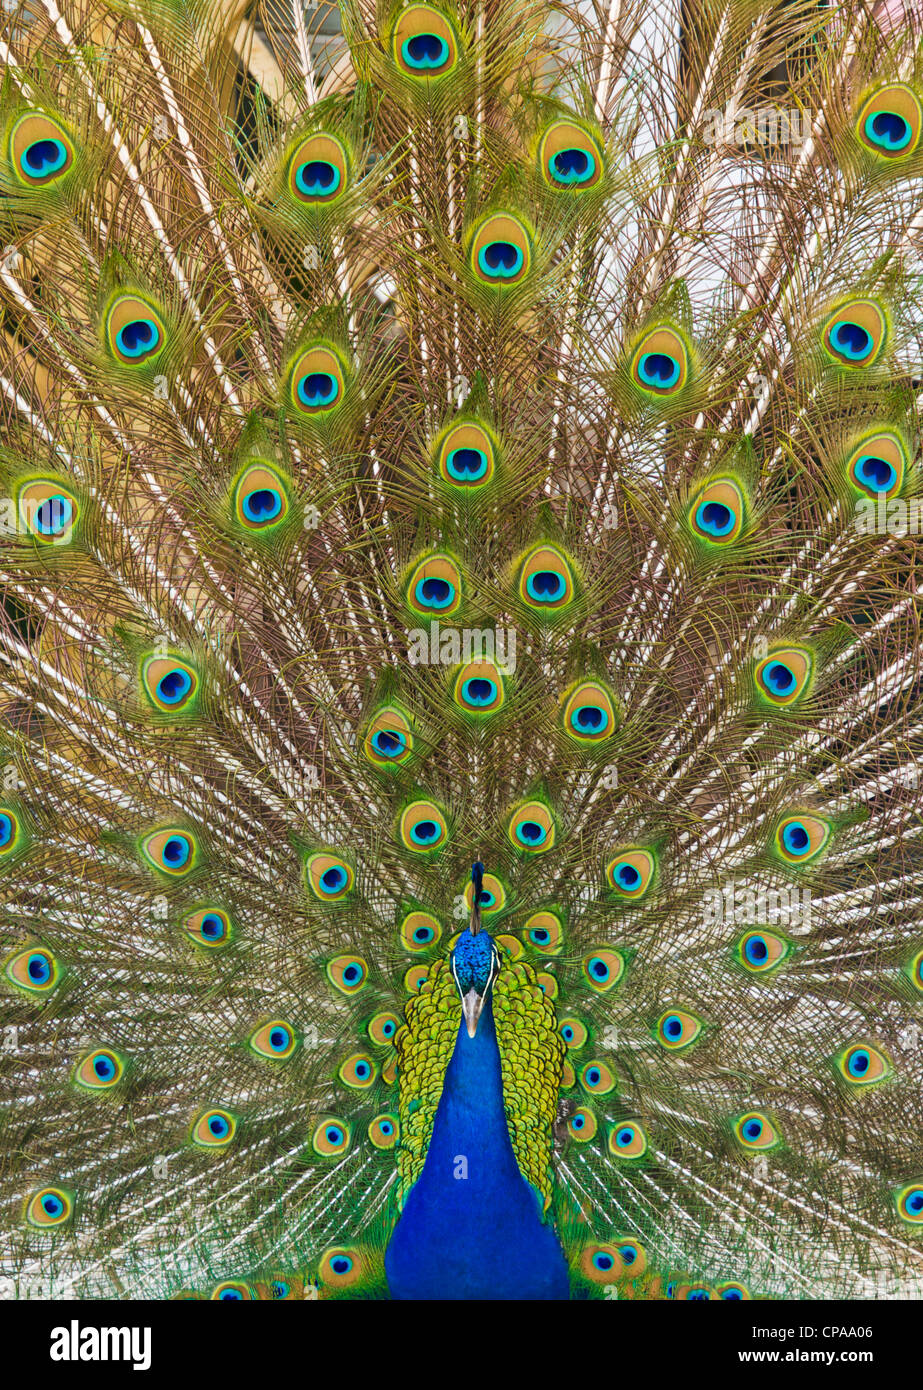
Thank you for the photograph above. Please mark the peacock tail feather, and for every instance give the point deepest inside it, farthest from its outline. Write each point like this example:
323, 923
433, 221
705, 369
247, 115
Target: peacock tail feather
489, 433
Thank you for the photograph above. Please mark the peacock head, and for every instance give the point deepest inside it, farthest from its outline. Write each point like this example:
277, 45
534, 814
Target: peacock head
475, 961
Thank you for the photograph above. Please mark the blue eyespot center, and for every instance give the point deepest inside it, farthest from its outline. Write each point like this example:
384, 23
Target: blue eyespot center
625, 1137
546, 586
6, 829
389, 743
603, 1261
425, 52
859, 1062
779, 678
753, 1129
38, 969
479, 691
52, 1205
530, 833
212, 927
54, 515
318, 178
262, 505
425, 832
539, 935
756, 950
104, 1067
716, 518
334, 1134
572, 166
658, 369
673, 1027
466, 465
888, 130
174, 686
500, 260
218, 1126
851, 340
318, 389
875, 473
175, 851
335, 878
352, 973
599, 969
589, 719
796, 838
627, 876
137, 338
341, 1264
435, 593
279, 1039
43, 157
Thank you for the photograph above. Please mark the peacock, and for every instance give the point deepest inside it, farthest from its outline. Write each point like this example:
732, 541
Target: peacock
461, 723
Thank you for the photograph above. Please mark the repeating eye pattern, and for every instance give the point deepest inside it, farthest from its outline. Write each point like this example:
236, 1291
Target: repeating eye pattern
348, 973
597, 1079
718, 512
318, 381
574, 1033
603, 968
910, 1203
434, 589
863, 1065
48, 511
466, 456
501, 251
135, 332
382, 1028
546, 581
479, 688
756, 1131
890, 121
49, 1207
544, 932
318, 171
676, 1029
12, 832
214, 1129
331, 1138
601, 1263
33, 969
856, 334
545, 980
173, 851
383, 1131
275, 1040
493, 894
41, 151
582, 1125
590, 713
388, 739
209, 926
660, 363
631, 872
693, 1293
169, 683
634, 1256
358, 1072
569, 158
627, 1141
801, 838
760, 952
423, 43
784, 676
419, 931
261, 498
423, 827
99, 1070
878, 465
531, 828
329, 877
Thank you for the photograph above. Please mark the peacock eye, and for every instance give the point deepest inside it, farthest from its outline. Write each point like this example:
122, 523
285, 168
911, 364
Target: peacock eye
631, 872
574, 1033
49, 1207
863, 1065
784, 676
33, 969
382, 1029
855, 335
597, 1078
423, 826
569, 158
232, 1291
358, 1072
318, 171
760, 952
209, 926
423, 43
99, 1070
543, 930
890, 122
383, 1131
41, 150
331, 1138
532, 828
261, 498
48, 511
329, 877
348, 973
434, 588
718, 512
546, 582
878, 465
589, 714
909, 1202
214, 1129
466, 456
677, 1029
419, 931
493, 894
169, 683
135, 332
627, 1141
660, 363
479, 688
603, 968
318, 382
173, 852
800, 839
582, 1125
501, 251
755, 1131
275, 1040
13, 836
388, 739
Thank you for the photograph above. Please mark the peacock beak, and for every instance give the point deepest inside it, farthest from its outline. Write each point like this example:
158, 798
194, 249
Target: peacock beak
472, 1004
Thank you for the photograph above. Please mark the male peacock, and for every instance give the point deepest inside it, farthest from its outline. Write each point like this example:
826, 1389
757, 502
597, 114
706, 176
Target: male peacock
494, 442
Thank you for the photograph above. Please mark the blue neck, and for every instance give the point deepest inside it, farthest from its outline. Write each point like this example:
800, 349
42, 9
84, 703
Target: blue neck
471, 1226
